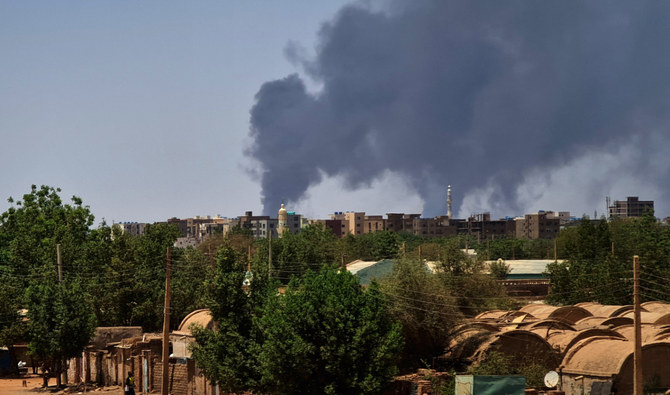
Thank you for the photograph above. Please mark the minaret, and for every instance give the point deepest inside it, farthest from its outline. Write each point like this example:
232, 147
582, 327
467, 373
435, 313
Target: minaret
282, 220
449, 201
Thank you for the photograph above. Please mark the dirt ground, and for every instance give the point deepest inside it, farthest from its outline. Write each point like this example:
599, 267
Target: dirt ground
14, 386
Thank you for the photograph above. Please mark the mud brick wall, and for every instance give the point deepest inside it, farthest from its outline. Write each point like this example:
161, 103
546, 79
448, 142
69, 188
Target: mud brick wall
179, 378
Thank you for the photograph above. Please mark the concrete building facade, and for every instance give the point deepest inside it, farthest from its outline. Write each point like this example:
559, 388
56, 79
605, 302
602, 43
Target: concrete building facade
540, 225
631, 207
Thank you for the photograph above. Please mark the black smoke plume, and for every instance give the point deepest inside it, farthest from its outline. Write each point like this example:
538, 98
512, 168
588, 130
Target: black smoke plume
469, 93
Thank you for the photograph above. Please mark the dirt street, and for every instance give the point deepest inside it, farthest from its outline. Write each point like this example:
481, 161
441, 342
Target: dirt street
13, 386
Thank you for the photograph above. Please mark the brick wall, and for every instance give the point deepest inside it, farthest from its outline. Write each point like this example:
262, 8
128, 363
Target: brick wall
180, 376
112, 368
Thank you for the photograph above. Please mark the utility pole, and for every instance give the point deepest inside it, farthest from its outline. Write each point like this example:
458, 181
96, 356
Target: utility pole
59, 260
166, 329
555, 250
637, 353
269, 252
60, 264
249, 259
420, 254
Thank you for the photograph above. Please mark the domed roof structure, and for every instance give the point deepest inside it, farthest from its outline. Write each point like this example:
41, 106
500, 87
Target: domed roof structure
202, 317
611, 359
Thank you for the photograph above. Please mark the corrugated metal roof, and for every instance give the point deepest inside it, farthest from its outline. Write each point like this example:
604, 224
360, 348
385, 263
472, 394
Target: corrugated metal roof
374, 271
527, 266
357, 265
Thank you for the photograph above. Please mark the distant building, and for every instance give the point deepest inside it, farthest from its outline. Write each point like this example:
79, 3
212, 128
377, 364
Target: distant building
295, 222
373, 223
201, 228
132, 228
631, 207
399, 222
354, 221
434, 227
540, 225
337, 226
260, 225
482, 227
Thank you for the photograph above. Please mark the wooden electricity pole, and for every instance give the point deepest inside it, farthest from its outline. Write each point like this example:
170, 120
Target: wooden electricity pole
269, 252
637, 354
63, 373
166, 329
555, 250
60, 264
249, 258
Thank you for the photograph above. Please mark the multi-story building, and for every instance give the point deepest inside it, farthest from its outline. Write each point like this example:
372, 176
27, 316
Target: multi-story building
295, 222
482, 227
353, 221
433, 227
200, 228
399, 222
337, 226
132, 228
373, 223
260, 225
540, 225
631, 207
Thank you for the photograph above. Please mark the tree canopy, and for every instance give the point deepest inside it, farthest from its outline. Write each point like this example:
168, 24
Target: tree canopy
325, 334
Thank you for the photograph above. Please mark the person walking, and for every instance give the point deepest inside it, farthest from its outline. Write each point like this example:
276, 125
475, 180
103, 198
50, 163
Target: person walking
129, 388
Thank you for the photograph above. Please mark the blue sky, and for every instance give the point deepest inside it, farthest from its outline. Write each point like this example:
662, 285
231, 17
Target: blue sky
142, 108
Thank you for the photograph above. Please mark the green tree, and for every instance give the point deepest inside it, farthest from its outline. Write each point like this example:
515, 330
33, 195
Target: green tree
425, 307
293, 254
327, 335
60, 324
386, 244
191, 270
226, 354
30, 230
12, 327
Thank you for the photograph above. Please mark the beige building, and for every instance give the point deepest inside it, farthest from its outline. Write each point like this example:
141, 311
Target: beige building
354, 221
373, 223
540, 225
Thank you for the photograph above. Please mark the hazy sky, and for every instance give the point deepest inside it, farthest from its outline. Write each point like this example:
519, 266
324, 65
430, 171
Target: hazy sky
142, 108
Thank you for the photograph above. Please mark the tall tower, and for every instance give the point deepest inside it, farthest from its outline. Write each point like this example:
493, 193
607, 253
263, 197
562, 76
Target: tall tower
282, 220
449, 201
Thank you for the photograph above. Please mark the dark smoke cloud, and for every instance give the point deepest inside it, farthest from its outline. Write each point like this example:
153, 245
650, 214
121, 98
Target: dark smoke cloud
469, 93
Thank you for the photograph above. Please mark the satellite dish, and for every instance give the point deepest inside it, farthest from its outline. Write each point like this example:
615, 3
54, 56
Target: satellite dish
551, 379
